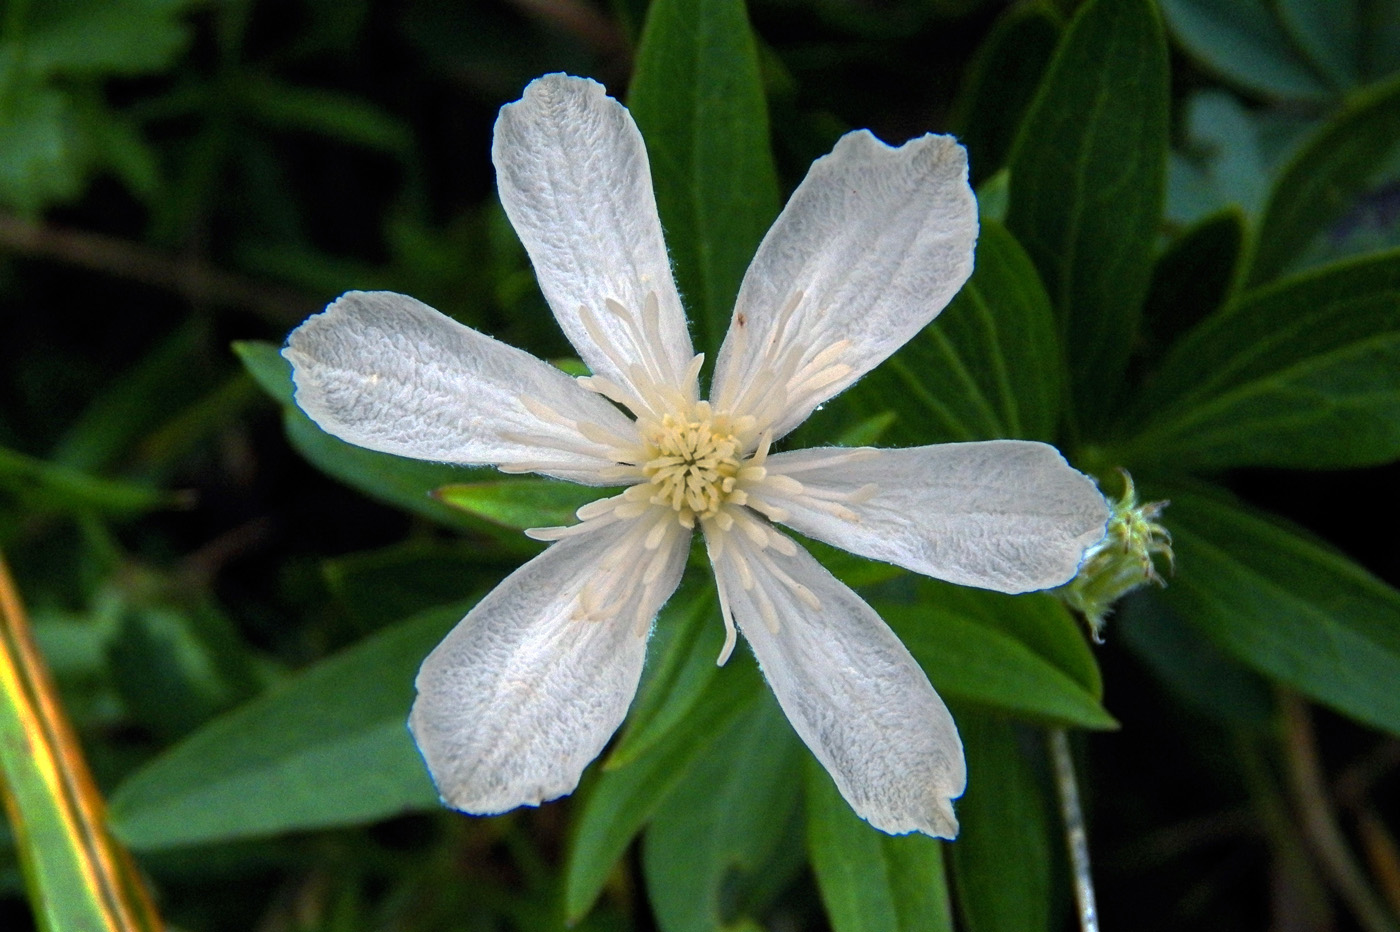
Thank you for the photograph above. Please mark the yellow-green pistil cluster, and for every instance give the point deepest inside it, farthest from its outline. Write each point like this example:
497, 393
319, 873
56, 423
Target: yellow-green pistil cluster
693, 465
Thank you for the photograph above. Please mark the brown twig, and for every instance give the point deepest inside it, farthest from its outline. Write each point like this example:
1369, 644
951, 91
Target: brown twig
192, 279
1319, 820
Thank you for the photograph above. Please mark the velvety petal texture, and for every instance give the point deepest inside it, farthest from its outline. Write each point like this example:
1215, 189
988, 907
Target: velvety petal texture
574, 179
849, 687
872, 246
529, 687
387, 372
1009, 515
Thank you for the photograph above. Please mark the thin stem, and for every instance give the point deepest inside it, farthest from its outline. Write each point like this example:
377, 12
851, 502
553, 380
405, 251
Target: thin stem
193, 280
1076, 838
1319, 819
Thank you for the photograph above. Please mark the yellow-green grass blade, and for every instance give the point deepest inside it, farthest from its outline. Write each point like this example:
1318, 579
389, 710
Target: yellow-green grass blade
79, 877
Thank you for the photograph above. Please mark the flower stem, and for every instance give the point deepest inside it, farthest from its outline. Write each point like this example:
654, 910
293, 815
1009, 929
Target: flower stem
1076, 839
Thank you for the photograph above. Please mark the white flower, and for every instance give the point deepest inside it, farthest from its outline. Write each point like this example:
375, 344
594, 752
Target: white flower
530, 686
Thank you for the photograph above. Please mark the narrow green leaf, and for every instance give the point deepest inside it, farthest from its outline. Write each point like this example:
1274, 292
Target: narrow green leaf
1242, 41
106, 36
1324, 178
330, 747
1288, 607
1193, 278
722, 827
325, 112
1303, 374
407, 483
43, 487
999, 84
698, 97
621, 801
681, 664
988, 367
376, 588
1087, 181
869, 881
972, 662
1001, 860
519, 503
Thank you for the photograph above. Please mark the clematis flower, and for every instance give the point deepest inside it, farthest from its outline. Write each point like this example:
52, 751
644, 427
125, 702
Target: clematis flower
533, 682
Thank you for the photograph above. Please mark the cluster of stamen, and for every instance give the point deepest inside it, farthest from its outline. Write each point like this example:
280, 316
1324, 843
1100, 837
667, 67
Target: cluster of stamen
693, 465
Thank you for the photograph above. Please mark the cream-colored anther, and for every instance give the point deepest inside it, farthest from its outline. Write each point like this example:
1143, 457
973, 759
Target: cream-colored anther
693, 463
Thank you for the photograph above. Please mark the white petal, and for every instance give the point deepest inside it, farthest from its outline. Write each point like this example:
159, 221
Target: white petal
573, 177
850, 688
1009, 515
387, 372
529, 687
873, 244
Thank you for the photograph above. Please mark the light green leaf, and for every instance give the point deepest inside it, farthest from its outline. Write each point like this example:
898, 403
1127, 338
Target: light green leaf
1288, 607
1302, 374
519, 503
869, 881
1088, 176
330, 747
1242, 41
973, 662
721, 829
1001, 861
698, 97
988, 367
1322, 181
622, 800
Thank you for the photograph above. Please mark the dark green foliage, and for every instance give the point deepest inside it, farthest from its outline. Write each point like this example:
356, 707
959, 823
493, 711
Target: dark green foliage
1192, 274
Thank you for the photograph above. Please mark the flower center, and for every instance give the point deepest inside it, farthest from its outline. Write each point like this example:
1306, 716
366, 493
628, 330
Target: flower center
692, 464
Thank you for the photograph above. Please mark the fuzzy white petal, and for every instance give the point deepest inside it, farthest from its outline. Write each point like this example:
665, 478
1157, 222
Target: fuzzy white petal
850, 689
872, 246
1009, 515
529, 687
387, 372
573, 177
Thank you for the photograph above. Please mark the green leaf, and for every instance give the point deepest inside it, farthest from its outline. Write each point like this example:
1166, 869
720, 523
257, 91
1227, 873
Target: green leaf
1087, 181
722, 827
1242, 41
526, 502
1288, 607
328, 113
623, 800
1190, 664
1325, 177
698, 97
105, 36
409, 484
869, 881
330, 747
999, 84
973, 662
1001, 861
1303, 374
681, 657
378, 587
988, 367
44, 487
1038, 620
1329, 33
1193, 278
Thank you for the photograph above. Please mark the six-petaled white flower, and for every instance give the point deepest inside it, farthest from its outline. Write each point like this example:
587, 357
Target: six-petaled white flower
531, 685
